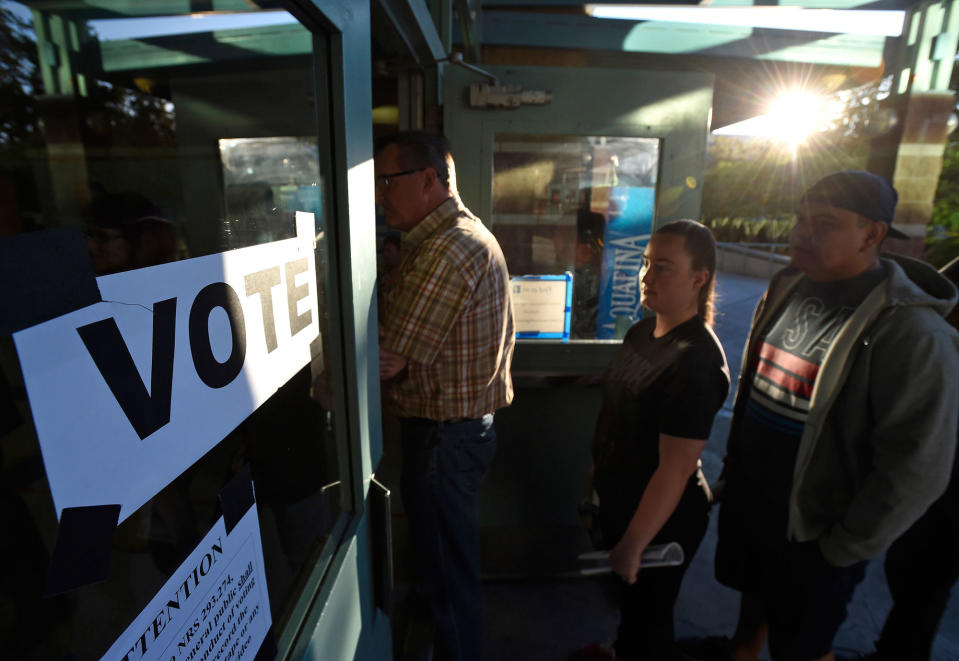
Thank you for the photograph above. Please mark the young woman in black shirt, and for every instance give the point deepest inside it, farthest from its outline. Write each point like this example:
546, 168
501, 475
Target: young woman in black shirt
661, 393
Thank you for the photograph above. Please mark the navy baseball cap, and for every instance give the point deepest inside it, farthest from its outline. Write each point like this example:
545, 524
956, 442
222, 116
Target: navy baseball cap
861, 192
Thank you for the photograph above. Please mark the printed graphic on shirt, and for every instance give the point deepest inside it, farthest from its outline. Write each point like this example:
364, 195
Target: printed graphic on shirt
789, 361
785, 367
635, 369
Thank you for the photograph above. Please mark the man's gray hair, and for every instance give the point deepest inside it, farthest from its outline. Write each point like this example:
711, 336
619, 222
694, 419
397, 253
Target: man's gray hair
419, 149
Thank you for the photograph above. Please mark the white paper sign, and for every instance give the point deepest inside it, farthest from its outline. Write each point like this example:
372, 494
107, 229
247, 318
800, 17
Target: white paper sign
215, 607
128, 393
539, 306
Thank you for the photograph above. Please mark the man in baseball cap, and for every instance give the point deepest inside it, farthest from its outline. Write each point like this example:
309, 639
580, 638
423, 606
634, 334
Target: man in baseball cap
844, 426
867, 194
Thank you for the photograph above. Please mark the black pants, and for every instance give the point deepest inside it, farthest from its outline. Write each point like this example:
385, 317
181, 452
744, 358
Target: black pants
805, 600
646, 607
921, 568
803, 597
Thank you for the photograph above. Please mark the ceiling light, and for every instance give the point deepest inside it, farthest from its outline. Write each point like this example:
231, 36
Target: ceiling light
884, 23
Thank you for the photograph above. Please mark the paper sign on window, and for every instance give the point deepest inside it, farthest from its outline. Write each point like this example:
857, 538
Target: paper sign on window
542, 305
128, 393
215, 607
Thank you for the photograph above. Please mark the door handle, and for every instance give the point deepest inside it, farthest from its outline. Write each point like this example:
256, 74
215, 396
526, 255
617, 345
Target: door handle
382, 536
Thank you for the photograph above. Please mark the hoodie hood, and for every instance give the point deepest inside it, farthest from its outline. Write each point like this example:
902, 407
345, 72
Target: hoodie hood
913, 282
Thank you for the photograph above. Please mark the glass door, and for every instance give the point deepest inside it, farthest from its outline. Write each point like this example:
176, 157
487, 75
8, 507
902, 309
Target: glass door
582, 205
175, 471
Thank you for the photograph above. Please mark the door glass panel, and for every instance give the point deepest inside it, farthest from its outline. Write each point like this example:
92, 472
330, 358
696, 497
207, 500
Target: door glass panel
583, 205
139, 146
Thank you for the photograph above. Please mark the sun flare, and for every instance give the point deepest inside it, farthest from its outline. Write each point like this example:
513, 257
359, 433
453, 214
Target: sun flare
795, 115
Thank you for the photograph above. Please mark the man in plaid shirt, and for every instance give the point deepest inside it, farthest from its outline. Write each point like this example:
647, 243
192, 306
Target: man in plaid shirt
446, 346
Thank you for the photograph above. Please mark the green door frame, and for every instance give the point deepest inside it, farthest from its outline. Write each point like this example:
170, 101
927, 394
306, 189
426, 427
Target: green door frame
336, 618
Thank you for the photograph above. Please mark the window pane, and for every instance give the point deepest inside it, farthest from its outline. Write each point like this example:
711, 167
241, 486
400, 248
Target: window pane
582, 205
167, 141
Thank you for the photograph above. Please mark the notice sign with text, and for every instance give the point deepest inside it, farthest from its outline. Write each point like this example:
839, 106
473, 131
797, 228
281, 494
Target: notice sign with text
215, 607
129, 392
542, 305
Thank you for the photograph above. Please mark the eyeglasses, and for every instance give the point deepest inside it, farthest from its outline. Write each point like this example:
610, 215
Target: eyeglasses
101, 237
384, 179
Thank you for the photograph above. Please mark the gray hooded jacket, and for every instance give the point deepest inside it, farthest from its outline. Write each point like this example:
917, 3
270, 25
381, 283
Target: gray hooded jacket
878, 444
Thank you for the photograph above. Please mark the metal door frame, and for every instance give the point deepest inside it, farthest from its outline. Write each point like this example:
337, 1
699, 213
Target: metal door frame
335, 617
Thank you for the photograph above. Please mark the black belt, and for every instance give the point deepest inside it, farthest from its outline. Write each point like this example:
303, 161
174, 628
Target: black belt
451, 421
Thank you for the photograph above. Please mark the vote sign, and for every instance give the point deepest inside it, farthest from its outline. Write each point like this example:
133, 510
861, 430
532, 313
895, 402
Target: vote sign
128, 393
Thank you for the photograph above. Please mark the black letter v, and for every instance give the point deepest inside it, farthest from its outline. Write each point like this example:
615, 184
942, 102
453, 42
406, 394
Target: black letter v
146, 411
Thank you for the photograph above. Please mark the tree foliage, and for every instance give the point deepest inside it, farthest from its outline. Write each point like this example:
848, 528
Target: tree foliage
19, 82
762, 178
112, 113
946, 212
942, 244
115, 115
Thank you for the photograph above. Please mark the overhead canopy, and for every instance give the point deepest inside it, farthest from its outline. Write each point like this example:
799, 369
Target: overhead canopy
754, 49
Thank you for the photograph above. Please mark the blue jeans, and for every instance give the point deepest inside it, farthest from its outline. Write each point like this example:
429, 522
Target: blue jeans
443, 467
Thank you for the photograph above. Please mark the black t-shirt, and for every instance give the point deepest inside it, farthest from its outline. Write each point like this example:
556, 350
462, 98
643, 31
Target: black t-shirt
782, 382
671, 385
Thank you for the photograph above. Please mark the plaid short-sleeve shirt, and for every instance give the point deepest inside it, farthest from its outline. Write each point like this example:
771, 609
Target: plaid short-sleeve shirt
449, 314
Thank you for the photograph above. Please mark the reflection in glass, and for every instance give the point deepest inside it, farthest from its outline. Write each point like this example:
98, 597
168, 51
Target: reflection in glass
265, 182
137, 143
582, 204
